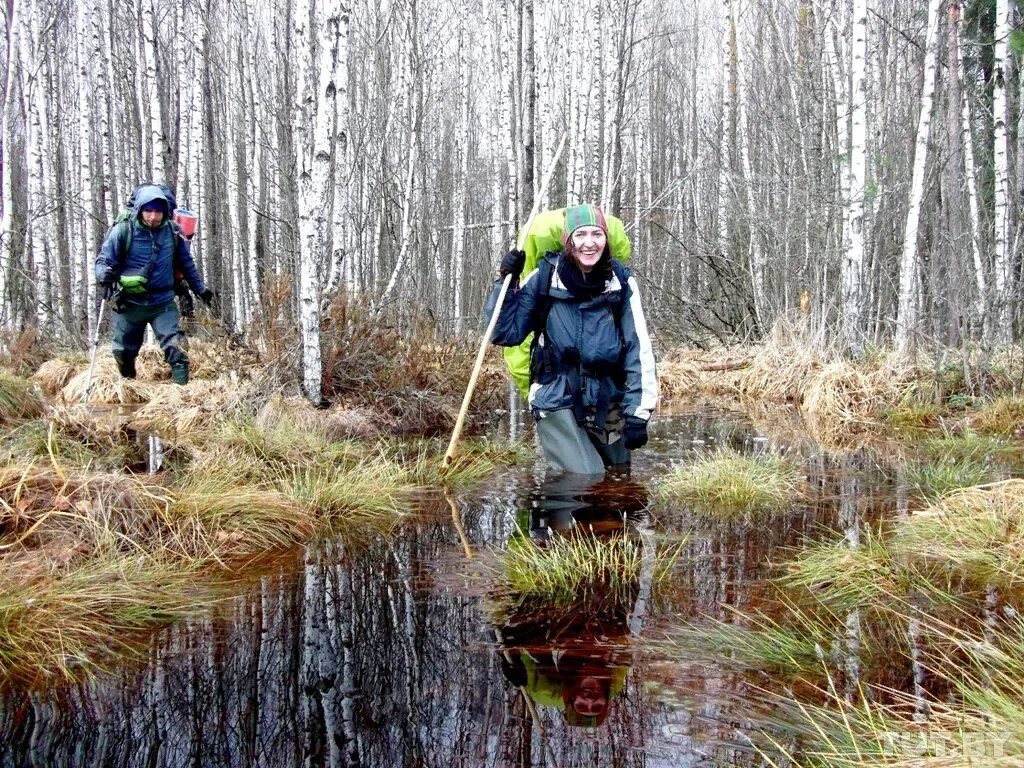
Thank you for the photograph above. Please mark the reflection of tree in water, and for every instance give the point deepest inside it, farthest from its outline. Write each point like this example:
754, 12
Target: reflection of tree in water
353, 660
362, 657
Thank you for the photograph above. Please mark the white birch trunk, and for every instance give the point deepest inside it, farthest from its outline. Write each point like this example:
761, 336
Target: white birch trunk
41, 220
907, 309
972, 188
87, 229
723, 139
853, 230
158, 139
756, 254
1001, 164
256, 141
412, 157
459, 229
8, 252
311, 200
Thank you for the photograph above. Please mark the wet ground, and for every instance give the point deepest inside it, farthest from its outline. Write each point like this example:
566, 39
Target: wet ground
388, 652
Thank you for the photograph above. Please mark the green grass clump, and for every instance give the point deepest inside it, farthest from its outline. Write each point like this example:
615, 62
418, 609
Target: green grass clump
969, 446
731, 483
474, 460
844, 578
975, 533
570, 570
934, 480
19, 399
760, 642
53, 624
377, 487
1004, 416
914, 415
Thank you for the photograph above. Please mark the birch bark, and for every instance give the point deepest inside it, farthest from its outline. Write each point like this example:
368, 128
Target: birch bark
158, 139
853, 262
459, 229
8, 252
724, 143
1001, 165
907, 310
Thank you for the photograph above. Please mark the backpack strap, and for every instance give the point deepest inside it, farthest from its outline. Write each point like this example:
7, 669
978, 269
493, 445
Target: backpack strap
545, 271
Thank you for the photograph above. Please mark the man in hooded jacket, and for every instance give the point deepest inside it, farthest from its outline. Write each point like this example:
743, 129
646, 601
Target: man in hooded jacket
137, 262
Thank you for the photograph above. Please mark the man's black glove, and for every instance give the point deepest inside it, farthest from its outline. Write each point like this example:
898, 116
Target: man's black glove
634, 434
105, 281
207, 297
512, 263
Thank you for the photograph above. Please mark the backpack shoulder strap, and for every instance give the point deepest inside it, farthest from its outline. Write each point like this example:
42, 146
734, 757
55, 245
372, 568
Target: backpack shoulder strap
545, 271
122, 237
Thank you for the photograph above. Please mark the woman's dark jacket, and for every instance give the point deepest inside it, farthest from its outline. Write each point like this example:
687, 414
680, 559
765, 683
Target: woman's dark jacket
592, 353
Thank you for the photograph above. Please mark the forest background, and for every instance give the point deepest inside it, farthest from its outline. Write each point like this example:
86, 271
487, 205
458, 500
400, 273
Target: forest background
857, 161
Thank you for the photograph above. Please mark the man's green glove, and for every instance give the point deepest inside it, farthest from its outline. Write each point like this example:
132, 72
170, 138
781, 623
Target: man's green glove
133, 285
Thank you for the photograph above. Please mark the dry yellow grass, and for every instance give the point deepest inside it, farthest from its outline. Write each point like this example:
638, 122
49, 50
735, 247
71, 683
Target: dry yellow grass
190, 412
54, 375
108, 386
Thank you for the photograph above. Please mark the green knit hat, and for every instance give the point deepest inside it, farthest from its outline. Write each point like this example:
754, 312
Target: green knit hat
582, 216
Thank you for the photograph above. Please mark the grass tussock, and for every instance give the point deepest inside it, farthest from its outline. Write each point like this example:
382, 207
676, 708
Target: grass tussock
18, 399
108, 386
935, 479
845, 578
573, 570
975, 533
840, 398
916, 600
189, 413
756, 642
729, 483
53, 375
1003, 417
52, 625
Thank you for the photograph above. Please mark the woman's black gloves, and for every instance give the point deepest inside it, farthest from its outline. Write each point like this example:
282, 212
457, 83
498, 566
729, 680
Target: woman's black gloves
512, 263
634, 434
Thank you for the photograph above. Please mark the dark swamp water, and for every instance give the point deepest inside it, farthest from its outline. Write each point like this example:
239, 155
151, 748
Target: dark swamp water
384, 652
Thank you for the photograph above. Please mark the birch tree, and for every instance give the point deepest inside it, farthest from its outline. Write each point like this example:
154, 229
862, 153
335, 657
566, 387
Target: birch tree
853, 229
1001, 168
907, 311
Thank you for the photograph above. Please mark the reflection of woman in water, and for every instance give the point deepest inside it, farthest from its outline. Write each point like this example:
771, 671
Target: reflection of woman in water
576, 660
581, 684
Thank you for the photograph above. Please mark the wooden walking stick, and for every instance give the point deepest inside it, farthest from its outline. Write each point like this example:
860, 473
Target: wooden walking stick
520, 243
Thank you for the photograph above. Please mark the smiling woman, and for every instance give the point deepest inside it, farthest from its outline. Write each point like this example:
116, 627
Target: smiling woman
593, 384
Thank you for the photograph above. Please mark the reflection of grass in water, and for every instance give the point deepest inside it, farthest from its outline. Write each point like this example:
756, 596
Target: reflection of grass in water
18, 399
932, 571
577, 568
54, 625
246, 492
730, 483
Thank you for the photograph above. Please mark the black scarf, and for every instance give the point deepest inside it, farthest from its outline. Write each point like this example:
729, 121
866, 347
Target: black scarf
584, 286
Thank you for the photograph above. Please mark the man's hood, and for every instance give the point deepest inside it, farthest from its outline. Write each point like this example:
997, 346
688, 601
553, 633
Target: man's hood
148, 194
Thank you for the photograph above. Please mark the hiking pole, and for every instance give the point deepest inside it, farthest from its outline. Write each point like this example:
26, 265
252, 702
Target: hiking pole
95, 343
520, 244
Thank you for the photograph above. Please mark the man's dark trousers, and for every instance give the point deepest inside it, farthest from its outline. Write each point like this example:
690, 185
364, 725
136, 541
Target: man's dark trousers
129, 325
